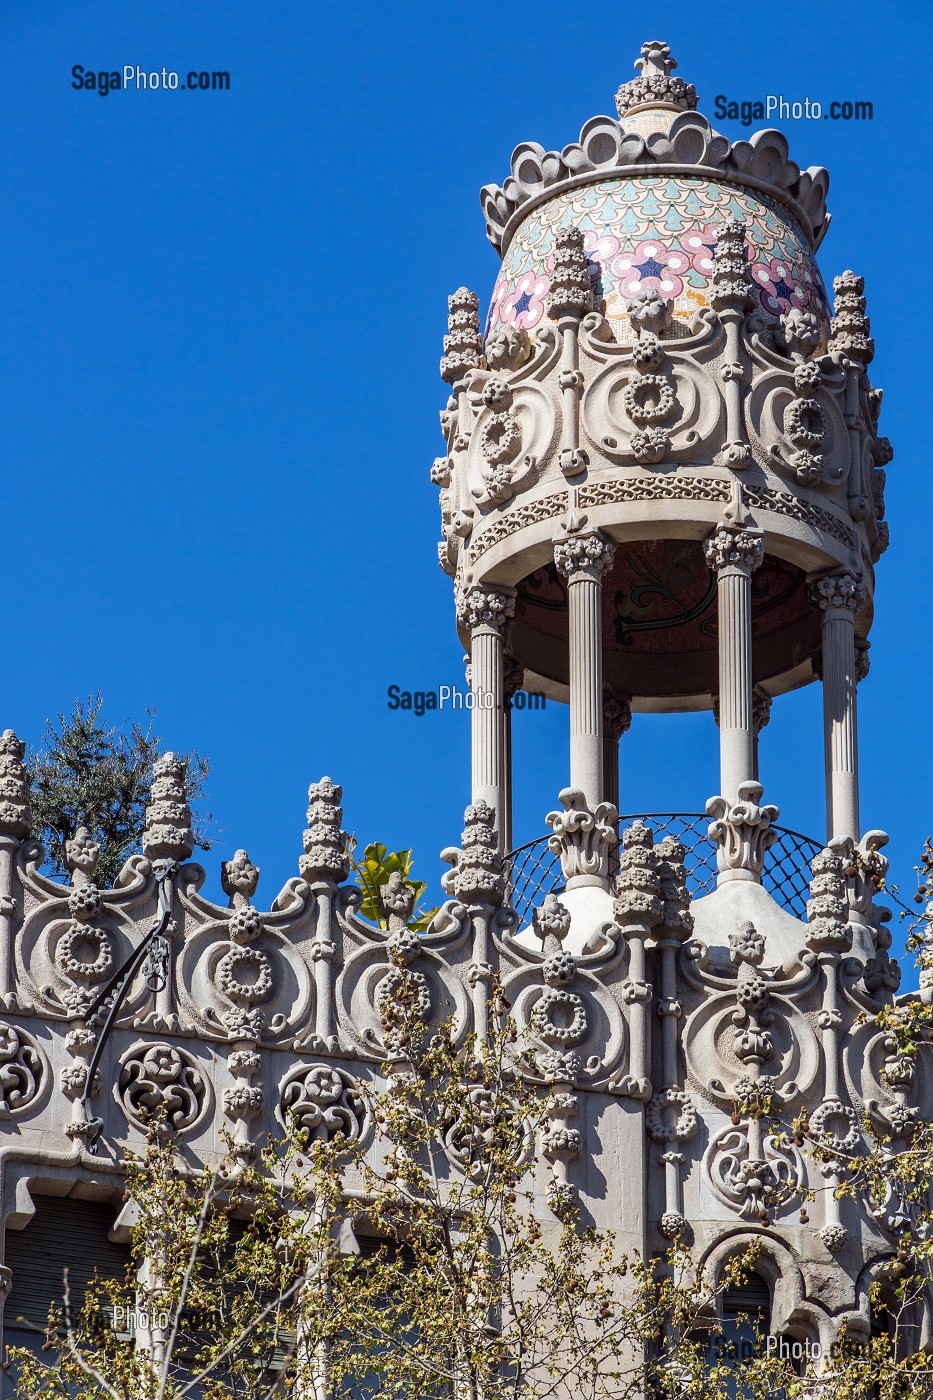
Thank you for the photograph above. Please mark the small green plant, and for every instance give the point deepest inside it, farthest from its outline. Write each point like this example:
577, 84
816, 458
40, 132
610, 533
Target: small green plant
374, 870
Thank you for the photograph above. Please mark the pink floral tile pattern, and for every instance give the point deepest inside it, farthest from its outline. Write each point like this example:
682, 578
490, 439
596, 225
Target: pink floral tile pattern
656, 232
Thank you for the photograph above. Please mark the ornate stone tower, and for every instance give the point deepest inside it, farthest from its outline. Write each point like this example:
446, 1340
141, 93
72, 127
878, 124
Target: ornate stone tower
663, 490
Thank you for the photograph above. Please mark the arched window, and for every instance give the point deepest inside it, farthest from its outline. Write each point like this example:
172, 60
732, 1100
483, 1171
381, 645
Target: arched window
746, 1317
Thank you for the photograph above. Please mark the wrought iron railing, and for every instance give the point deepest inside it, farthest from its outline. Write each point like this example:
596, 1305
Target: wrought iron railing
534, 870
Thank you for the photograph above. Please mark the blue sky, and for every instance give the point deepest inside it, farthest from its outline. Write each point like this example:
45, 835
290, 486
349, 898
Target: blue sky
221, 321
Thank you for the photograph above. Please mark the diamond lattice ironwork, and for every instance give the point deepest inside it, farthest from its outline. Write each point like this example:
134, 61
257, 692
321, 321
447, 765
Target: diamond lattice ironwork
534, 870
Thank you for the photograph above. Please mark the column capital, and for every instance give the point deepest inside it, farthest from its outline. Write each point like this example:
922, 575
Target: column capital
482, 606
734, 547
839, 592
513, 674
583, 556
617, 716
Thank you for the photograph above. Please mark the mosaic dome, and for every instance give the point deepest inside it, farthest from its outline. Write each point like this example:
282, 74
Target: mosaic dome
650, 191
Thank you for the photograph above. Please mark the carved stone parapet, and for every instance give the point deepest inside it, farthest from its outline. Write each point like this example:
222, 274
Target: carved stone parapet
570, 292
583, 556
479, 873
485, 607
733, 547
15, 811
841, 592
742, 832
463, 344
582, 838
325, 842
655, 87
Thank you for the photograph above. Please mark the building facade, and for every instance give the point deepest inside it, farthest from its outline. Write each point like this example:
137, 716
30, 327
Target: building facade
662, 489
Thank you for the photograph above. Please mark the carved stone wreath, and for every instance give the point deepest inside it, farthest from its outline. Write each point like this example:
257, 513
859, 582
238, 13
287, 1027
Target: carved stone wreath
20, 1071
805, 424
500, 439
554, 1004
671, 1116
324, 1103
161, 1085
402, 992
649, 399
836, 1127
239, 988
71, 955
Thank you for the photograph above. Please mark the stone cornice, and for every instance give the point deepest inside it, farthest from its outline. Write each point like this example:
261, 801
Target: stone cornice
690, 146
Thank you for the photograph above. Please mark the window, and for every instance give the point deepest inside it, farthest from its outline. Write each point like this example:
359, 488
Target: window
64, 1233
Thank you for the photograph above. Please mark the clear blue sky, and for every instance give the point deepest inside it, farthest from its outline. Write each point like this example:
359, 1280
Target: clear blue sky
221, 321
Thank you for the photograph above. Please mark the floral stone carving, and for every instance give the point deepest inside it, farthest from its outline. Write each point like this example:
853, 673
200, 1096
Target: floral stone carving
324, 1103
161, 1086
21, 1071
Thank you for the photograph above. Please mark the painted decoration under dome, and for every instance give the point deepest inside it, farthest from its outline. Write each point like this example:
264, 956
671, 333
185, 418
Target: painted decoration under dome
660, 233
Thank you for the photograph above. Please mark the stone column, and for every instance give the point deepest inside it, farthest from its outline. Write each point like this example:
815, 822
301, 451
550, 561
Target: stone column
735, 552
617, 719
514, 680
486, 612
839, 597
583, 560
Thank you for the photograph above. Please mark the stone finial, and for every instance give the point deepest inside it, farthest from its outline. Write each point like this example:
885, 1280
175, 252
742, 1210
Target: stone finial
828, 927
325, 842
730, 284
655, 87
583, 839
82, 852
463, 343
801, 332
168, 834
638, 883
397, 900
15, 811
650, 314
485, 607
675, 897
850, 328
571, 293
742, 831
508, 348
239, 879
478, 873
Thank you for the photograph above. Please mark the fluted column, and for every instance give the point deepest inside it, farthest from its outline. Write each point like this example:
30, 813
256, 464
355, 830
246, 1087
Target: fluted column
617, 719
486, 612
514, 680
735, 552
839, 597
583, 560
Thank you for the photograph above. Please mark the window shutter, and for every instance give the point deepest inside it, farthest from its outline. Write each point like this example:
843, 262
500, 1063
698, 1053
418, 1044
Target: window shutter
63, 1233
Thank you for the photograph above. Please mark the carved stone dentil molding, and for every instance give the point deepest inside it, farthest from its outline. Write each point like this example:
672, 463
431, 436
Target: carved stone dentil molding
742, 830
